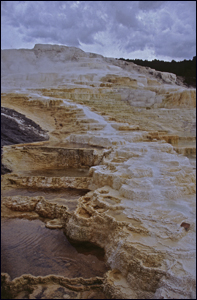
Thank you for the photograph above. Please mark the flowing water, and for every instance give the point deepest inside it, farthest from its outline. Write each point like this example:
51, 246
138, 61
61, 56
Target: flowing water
28, 247
88, 113
108, 129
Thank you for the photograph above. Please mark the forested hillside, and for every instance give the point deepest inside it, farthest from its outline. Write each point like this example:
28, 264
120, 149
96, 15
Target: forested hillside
185, 68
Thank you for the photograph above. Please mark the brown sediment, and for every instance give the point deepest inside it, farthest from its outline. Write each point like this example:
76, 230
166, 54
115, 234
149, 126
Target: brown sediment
185, 225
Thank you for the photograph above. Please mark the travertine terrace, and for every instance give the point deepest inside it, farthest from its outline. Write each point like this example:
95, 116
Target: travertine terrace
131, 132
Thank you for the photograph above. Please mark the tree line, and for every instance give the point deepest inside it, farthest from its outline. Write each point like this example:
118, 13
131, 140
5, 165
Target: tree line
186, 68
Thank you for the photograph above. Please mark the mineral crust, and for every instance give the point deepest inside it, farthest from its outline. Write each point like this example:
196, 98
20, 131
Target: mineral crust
125, 134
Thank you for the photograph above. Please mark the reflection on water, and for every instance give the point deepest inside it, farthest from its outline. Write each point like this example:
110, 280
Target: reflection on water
76, 145
49, 194
28, 247
57, 173
68, 197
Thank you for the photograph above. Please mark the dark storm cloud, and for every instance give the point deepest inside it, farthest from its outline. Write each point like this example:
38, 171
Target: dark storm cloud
111, 28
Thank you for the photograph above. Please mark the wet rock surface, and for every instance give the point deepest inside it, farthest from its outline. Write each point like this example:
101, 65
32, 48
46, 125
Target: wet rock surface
133, 130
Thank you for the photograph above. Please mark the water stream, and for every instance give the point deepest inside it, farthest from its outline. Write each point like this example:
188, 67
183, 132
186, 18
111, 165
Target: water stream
108, 129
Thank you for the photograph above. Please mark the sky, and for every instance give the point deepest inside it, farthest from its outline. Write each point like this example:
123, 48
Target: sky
164, 30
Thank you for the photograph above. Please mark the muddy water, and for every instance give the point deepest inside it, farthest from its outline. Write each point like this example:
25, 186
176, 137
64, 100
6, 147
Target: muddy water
49, 194
57, 173
68, 197
28, 247
76, 145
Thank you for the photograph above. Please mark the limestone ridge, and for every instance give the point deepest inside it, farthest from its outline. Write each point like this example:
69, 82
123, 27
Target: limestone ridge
53, 58
125, 136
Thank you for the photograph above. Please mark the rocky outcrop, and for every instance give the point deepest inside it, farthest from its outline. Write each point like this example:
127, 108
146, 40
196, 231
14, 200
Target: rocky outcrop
51, 286
180, 99
17, 129
28, 157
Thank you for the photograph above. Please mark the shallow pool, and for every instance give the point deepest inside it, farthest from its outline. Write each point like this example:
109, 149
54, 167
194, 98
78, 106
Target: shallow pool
28, 247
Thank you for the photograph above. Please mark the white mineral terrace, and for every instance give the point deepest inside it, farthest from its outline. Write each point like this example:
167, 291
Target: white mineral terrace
139, 129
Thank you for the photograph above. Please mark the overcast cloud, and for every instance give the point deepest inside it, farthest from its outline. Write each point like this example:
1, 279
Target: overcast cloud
130, 29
